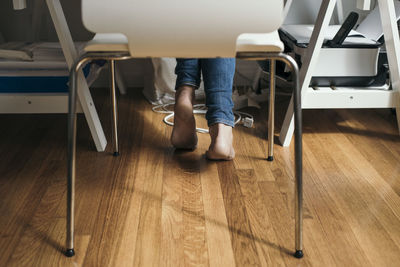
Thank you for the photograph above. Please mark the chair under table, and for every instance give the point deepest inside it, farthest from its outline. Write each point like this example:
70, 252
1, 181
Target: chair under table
184, 29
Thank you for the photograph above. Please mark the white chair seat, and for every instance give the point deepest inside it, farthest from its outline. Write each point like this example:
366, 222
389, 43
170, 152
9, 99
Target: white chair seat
108, 42
248, 42
259, 42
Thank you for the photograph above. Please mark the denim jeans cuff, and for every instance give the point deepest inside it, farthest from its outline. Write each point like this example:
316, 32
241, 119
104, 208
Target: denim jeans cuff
223, 121
195, 84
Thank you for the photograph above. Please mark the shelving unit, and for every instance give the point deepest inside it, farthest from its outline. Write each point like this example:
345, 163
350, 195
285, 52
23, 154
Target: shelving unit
327, 98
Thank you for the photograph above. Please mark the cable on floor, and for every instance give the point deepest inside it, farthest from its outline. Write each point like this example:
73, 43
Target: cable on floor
240, 117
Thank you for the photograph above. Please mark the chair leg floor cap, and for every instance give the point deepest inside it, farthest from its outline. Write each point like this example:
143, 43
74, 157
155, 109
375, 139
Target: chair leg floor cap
70, 253
299, 254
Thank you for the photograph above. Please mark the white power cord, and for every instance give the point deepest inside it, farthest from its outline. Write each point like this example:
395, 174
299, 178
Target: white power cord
243, 117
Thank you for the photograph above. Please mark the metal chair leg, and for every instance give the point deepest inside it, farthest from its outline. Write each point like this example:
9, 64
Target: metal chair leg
271, 116
114, 107
298, 147
298, 135
71, 162
72, 141
298, 163
298, 151
71, 150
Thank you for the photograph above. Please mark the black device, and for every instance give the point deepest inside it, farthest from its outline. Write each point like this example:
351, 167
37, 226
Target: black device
344, 31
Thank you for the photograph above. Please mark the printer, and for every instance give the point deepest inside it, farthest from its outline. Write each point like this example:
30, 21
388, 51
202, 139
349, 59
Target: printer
359, 60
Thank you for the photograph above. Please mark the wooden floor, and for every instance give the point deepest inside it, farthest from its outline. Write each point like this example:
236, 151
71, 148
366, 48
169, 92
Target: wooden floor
154, 206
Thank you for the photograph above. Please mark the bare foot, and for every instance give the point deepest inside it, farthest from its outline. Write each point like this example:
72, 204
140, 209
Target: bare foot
184, 132
221, 143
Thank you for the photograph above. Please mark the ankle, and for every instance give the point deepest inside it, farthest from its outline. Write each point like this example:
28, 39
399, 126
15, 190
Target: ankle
221, 131
221, 142
218, 128
185, 94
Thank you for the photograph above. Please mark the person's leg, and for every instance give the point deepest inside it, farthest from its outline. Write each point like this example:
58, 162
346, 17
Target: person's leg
218, 81
188, 78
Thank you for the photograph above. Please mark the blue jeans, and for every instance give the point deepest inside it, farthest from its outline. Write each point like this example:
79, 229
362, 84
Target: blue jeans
218, 81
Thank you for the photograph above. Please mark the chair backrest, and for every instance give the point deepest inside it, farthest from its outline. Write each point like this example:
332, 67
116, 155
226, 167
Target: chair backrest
182, 28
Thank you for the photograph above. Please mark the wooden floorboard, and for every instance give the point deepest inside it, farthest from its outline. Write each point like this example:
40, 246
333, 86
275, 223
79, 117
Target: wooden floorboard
154, 206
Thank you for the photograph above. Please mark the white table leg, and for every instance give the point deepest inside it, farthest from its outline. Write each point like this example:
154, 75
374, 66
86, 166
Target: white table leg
392, 42
288, 4
364, 4
309, 63
339, 11
71, 56
37, 15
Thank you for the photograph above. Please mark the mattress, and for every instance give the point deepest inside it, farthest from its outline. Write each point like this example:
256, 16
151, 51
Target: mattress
45, 72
